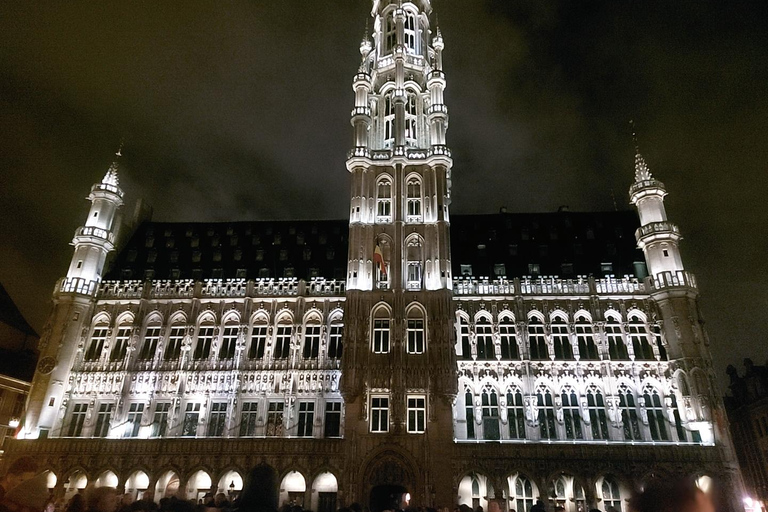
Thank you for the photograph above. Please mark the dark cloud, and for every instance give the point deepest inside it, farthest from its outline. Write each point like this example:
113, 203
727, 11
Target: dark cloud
242, 112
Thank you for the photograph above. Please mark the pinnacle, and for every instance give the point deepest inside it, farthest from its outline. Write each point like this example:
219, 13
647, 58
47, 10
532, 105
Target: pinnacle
111, 178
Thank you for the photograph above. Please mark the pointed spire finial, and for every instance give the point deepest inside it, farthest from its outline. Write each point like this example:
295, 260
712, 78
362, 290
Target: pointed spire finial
642, 172
111, 177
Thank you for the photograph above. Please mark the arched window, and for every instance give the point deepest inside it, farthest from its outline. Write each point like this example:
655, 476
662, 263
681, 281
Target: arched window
409, 33
384, 201
490, 413
415, 331
120, 347
381, 258
175, 342
98, 338
586, 339
410, 120
466, 350
390, 33
657, 421
283, 334
659, 343
413, 263
682, 435
629, 413
413, 200
558, 496
515, 414
151, 339
204, 340
616, 347
335, 334
469, 413
523, 496
228, 342
571, 415
546, 413
380, 333
389, 121
611, 494
639, 338
562, 345
258, 339
536, 339
507, 339
484, 339
311, 345
597, 416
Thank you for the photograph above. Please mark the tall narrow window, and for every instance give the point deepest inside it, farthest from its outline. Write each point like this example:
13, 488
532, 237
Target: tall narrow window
484, 339
332, 419
560, 340
415, 334
248, 418
191, 420
275, 419
379, 414
390, 33
160, 419
335, 334
381, 332
537, 341
515, 414
410, 120
523, 493
121, 344
469, 414
409, 33
597, 416
283, 341
571, 415
682, 436
133, 421
417, 414
77, 420
413, 264
204, 340
507, 339
306, 419
389, 121
466, 350
175, 342
258, 341
546, 413
149, 348
657, 421
98, 338
384, 201
228, 343
490, 413
413, 200
659, 342
586, 339
311, 348
611, 494
638, 335
217, 420
103, 419
629, 414
617, 349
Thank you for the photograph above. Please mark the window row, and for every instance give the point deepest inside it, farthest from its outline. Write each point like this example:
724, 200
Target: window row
415, 332
217, 418
567, 415
413, 200
559, 340
414, 33
262, 341
379, 417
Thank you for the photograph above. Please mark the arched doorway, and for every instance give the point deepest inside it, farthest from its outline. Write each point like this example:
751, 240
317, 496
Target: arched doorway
259, 489
167, 485
387, 497
324, 491
292, 489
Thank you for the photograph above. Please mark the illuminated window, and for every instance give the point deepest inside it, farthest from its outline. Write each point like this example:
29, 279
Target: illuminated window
560, 340
204, 340
410, 120
160, 419
469, 413
76, 420
413, 189
507, 338
133, 421
311, 341
103, 419
417, 414
659, 343
611, 494
415, 336
389, 121
523, 499
515, 414
98, 338
586, 339
228, 343
381, 335
275, 419
379, 414
597, 416
463, 334
149, 348
484, 339
390, 33
413, 264
191, 420
384, 201
217, 419
409, 33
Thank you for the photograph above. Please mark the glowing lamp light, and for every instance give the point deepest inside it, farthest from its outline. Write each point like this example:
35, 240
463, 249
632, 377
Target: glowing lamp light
13, 423
407, 497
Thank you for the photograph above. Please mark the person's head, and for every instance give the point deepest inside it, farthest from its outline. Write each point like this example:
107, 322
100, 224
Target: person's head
126, 499
102, 499
671, 496
208, 499
21, 470
220, 499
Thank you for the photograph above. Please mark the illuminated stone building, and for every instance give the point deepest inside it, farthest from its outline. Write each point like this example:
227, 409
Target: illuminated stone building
402, 351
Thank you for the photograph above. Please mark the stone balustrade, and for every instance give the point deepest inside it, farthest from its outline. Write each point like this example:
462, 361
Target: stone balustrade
548, 286
91, 231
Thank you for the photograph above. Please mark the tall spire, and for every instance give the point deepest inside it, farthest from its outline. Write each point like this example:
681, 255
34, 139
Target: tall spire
111, 177
642, 172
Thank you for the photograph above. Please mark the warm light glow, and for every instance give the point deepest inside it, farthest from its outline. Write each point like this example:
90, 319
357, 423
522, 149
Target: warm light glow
51, 480
407, 497
704, 483
13, 423
107, 479
294, 482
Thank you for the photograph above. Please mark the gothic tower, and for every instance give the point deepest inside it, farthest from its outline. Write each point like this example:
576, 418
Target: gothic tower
399, 360
73, 300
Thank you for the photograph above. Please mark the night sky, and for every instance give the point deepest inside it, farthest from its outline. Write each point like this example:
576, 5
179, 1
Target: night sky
240, 111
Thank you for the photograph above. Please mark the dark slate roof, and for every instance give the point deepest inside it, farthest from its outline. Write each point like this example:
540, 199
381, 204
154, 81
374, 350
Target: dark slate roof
564, 243
10, 314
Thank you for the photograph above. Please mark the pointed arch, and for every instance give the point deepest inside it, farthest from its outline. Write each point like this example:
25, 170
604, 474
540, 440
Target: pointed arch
384, 191
381, 315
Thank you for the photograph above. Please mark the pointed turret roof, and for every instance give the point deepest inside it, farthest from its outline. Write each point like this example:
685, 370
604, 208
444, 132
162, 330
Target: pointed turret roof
642, 172
111, 178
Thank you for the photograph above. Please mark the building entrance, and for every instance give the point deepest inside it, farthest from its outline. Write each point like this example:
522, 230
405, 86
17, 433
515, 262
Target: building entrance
387, 497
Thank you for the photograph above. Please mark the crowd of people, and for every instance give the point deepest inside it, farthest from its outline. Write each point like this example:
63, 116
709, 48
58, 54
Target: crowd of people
24, 489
